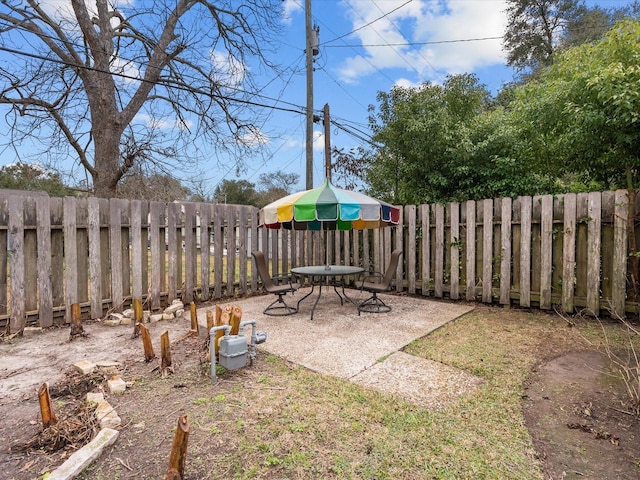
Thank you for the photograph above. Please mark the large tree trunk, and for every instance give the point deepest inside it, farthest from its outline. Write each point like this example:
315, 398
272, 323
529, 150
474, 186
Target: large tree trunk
107, 167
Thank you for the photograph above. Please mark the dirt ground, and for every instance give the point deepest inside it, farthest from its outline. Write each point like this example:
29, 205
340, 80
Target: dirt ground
574, 410
577, 415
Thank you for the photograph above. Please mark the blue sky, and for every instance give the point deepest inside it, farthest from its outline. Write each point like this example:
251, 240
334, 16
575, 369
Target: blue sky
366, 46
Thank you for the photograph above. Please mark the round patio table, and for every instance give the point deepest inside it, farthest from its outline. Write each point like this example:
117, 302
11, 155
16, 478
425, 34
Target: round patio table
319, 274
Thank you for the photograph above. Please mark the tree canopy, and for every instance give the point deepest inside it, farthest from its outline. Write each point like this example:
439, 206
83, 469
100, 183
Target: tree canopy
115, 85
33, 177
583, 114
443, 143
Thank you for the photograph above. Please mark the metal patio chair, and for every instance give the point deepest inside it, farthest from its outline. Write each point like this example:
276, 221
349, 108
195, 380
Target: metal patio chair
279, 286
374, 304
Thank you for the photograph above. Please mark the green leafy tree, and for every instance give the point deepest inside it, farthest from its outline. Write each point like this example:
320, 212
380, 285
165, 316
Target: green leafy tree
33, 177
445, 143
237, 192
533, 28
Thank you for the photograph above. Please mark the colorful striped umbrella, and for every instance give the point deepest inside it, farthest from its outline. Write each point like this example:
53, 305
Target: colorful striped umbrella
330, 208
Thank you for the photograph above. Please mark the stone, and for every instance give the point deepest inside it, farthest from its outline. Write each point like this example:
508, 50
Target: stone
179, 313
30, 331
95, 397
126, 321
168, 316
77, 462
111, 322
174, 307
85, 367
128, 313
106, 415
156, 317
115, 316
145, 316
107, 363
116, 385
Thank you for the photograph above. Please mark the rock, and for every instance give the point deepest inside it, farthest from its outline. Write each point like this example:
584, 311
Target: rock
128, 313
174, 307
107, 416
111, 322
156, 317
107, 363
168, 316
83, 457
85, 367
116, 385
30, 331
95, 397
126, 321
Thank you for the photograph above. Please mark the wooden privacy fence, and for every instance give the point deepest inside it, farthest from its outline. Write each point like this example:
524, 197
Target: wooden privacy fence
566, 250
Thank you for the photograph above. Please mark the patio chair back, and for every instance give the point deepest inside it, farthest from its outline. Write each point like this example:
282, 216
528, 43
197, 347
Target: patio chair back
278, 306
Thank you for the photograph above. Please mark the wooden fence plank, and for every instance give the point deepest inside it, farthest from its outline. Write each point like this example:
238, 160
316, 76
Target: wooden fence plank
159, 246
593, 254
397, 245
425, 248
4, 258
16, 240
454, 277
45, 292
619, 275
190, 253
569, 253
243, 235
525, 251
410, 251
205, 250
546, 237
439, 248
71, 255
470, 248
174, 253
95, 276
136, 249
115, 251
505, 251
30, 247
254, 239
487, 250
218, 221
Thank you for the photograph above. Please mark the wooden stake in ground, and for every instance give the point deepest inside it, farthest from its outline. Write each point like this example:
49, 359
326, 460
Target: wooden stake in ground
194, 318
137, 317
48, 416
146, 343
76, 322
210, 320
178, 450
165, 352
236, 317
219, 333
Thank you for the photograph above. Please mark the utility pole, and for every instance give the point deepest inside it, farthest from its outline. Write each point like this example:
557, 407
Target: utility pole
310, 50
327, 142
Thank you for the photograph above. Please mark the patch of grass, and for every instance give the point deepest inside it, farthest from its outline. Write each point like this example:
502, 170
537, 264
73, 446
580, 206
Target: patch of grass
278, 420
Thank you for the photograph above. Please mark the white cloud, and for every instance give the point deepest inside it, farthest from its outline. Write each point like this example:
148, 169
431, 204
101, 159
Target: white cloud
421, 23
154, 123
290, 7
229, 71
